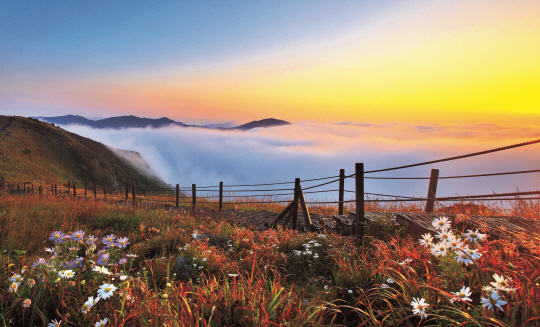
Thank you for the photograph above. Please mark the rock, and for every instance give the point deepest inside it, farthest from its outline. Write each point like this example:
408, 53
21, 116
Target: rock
182, 269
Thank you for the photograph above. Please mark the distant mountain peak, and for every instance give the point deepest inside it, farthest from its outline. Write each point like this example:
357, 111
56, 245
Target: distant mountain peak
131, 121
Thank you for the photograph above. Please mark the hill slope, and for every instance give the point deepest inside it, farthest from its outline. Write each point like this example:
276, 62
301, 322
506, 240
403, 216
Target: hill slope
39, 152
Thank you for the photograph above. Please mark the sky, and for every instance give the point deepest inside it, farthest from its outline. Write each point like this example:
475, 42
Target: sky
414, 62
380, 82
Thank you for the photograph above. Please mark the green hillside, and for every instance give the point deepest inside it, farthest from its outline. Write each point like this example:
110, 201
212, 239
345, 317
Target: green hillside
38, 152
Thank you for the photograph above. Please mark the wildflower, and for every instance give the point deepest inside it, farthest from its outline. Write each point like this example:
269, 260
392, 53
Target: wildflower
439, 249
251, 252
104, 259
129, 255
474, 236
122, 261
26, 303
492, 300
463, 294
233, 275
13, 287
165, 295
77, 235
89, 304
406, 261
102, 270
67, 273
326, 287
475, 255
383, 286
389, 280
122, 242
39, 262
419, 307
54, 323
453, 243
204, 259
444, 234
106, 290
441, 223
49, 250
123, 277
102, 322
109, 239
57, 237
501, 283
463, 257
91, 239
316, 255
31, 282
74, 248
16, 279
426, 240
350, 291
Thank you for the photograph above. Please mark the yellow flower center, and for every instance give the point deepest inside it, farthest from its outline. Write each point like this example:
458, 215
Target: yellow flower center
464, 256
91, 239
473, 235
123, 242
109, 239
108, 289
57, 236
441, 248
77, 235
461, 295
441, 223
18, 278
504, 284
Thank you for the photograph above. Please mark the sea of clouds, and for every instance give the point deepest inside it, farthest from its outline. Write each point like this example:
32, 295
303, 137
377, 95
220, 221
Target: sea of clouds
312, 150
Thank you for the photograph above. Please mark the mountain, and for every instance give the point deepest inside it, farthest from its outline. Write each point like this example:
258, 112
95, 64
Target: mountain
138, 122
42, 153
264, 123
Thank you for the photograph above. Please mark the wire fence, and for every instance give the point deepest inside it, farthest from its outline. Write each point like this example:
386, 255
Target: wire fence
234, 194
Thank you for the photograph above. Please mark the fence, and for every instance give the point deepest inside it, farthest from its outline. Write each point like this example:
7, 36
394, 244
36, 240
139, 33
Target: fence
222, 194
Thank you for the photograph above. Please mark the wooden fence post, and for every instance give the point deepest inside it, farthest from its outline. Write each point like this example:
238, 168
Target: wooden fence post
432, 190
177, 195
74, 190
193, 197
127, 191
69, 187
294, 223
85, 188
55, 190
95, 191
359, 179
32, 188
220, 196
105, 192
134, 194
341, 190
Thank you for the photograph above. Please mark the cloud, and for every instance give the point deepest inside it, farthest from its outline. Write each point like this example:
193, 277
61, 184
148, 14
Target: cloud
312, 150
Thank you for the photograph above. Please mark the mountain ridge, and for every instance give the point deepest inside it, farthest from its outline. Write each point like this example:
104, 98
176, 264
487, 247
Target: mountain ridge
42, 153
131, 121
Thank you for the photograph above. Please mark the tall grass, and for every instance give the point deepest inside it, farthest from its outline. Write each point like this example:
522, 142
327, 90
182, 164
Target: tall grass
270, 278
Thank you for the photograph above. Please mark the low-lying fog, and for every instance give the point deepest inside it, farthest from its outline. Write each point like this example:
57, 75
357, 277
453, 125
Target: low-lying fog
311, 150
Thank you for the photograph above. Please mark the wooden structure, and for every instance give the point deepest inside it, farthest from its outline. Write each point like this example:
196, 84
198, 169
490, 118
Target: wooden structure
291, 211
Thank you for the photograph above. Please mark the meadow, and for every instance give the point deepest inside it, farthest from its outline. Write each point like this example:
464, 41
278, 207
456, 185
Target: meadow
80, 262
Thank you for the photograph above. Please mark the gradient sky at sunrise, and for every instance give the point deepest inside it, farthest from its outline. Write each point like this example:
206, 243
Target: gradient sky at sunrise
418, 62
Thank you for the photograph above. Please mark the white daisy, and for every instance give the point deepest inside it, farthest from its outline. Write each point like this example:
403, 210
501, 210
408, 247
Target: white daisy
419, 307
441, 223
106, 290
492, 300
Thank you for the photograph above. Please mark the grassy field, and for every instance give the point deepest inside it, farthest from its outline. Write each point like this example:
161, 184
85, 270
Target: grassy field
249, 278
